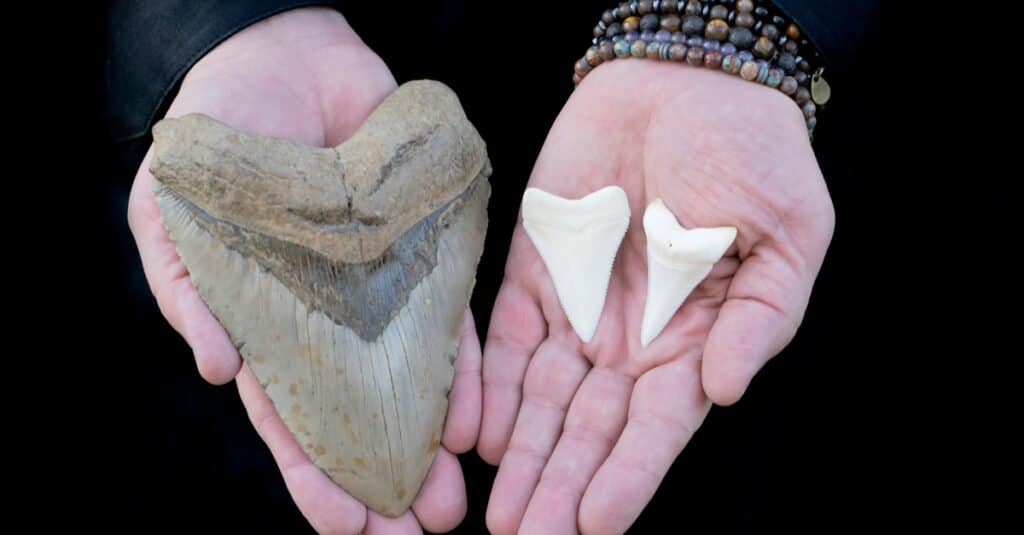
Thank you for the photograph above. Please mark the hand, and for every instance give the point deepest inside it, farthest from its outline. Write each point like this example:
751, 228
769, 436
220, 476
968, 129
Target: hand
586, 432
303, 75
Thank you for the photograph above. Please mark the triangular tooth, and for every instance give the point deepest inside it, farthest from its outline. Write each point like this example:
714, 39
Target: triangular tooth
342, 275
677, 261
578, 240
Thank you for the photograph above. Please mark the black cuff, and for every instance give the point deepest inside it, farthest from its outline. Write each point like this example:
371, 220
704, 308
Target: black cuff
835, 28
152, 44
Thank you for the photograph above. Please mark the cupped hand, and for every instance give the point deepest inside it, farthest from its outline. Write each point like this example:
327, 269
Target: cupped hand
303, 75
584, 433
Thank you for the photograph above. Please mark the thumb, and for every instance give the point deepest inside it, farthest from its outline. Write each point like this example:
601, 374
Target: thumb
762, 311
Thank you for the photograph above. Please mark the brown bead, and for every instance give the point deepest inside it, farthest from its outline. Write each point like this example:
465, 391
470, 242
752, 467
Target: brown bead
606, 50
713, 59
669, 6
802, 95
764, 48
593, 57
607, 17
788, 85
770, 31
693, 8
695, 56
576, 79
677, 52
793, 32
744, 6
631, 24
654, 50
598, 32
717, 29
582, 67
718, 12
671, 23
745, 20
625, 9
644, 7
791, 47
805, 66
749, 71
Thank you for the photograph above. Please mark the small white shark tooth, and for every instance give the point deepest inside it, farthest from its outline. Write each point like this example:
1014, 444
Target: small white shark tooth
677, 261
578, 240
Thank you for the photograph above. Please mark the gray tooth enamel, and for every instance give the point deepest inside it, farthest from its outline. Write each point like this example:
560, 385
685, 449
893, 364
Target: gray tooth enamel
342, 275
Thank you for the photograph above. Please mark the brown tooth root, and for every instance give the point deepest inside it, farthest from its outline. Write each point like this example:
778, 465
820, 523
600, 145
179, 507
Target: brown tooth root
342, 274
414, 153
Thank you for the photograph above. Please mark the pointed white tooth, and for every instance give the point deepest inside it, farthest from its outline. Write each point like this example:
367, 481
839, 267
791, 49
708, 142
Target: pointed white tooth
677, 261
578, 240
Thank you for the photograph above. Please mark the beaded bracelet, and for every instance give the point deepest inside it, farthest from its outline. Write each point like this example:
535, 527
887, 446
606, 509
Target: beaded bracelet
756, 42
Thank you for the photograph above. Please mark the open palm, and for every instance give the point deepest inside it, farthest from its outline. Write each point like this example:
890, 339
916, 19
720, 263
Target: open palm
584, 433
302, 75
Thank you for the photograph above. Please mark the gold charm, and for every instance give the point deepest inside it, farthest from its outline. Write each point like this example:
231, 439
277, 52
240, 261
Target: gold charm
820, 90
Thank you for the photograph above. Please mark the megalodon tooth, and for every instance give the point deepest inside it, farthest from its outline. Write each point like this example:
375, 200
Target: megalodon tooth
578, 240
341, 274
677, 261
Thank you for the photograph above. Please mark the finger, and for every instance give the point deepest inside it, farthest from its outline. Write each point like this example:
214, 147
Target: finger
179, 302
666, 407
593, 424
441, 503
327, 508
554, 376
764, 306
377, 524
463, 423
516, 331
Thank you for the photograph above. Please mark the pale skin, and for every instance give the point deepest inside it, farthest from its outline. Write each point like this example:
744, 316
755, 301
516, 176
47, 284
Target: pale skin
584, 432
292, 76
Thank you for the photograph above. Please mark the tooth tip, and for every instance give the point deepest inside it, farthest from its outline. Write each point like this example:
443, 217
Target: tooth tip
578, 240
678, 260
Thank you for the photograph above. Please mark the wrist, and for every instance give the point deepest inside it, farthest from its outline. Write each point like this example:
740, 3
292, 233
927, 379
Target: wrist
749, 39
308, 54
296, 39
736, 109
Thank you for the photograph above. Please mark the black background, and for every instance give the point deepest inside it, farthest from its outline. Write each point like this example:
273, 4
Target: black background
806, 450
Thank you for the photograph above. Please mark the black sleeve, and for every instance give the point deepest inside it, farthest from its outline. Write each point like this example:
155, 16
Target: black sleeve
836, 27
152, 44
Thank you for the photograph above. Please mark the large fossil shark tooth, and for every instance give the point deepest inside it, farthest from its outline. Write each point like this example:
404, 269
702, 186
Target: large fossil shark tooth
341, 274
578, 240
677, 261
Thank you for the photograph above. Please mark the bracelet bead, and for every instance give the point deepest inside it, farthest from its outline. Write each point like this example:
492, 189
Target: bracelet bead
731, 64
671, 23
677, 52
713, 59
745, 20
717, 29
638, 49
764, 48
749, 70
740, 37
